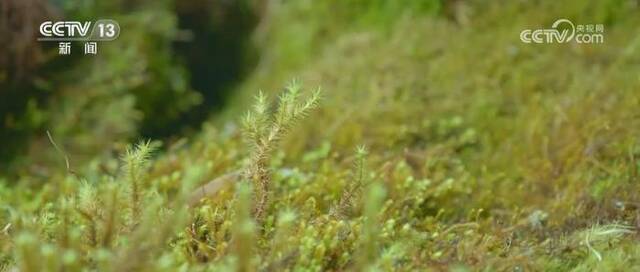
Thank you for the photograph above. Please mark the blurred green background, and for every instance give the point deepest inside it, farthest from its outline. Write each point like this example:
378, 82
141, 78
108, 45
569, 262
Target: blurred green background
178, 64
173, 64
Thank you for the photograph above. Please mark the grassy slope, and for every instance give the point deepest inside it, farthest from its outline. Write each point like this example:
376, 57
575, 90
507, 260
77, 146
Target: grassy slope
493, 154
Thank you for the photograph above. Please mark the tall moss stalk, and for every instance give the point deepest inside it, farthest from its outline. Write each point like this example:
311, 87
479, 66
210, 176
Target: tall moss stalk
263, 130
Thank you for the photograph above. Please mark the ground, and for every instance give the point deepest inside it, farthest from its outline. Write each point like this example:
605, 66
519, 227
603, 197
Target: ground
439, 142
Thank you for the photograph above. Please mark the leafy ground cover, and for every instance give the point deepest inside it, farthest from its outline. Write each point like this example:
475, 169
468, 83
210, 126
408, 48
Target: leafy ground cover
436, 142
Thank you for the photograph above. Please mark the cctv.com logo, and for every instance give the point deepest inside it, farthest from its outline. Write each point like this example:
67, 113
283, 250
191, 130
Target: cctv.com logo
564, 31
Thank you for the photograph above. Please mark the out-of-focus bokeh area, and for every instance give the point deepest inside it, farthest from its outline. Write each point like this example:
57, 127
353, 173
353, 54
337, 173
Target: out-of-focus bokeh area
494, 154
174, 64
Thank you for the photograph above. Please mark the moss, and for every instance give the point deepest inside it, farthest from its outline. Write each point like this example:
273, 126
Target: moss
483, 153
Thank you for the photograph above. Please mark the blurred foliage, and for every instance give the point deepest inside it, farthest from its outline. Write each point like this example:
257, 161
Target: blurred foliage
482, 153
139, 85
21, 55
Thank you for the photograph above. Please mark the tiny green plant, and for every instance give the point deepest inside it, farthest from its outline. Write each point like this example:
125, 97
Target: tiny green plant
263, 130
369, 242
135, 159
244, 230
353, 189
